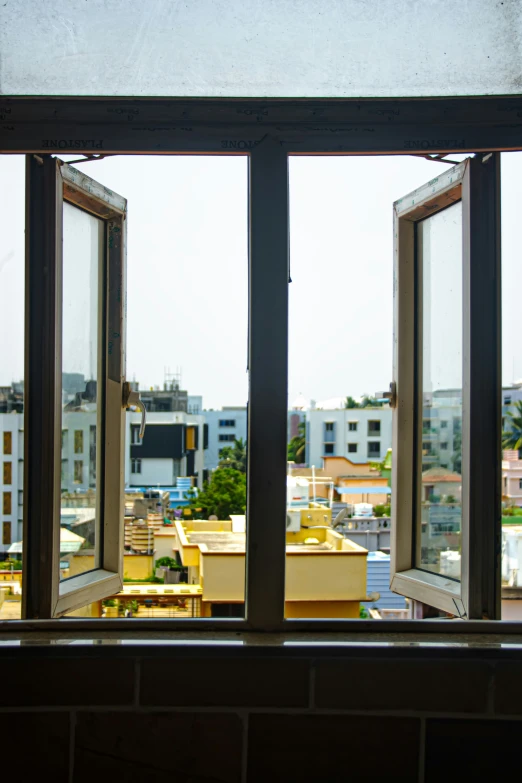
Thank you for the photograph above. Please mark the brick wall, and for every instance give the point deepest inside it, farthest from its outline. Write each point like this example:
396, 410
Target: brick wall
127, 711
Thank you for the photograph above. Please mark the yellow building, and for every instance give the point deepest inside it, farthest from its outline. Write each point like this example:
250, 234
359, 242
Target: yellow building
325, 573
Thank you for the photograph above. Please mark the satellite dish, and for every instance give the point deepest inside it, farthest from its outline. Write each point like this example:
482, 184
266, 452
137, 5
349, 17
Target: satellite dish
343, 513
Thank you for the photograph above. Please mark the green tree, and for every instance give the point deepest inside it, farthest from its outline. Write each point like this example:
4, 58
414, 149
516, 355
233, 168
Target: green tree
351, 403
297, 446
512, 438
223, 495
234, 456
370, 402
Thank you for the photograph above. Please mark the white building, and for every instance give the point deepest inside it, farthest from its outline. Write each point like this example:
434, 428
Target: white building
11, 477
224, 427
359, 434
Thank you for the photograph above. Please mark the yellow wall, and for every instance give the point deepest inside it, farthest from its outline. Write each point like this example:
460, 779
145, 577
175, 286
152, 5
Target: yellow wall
322, 609
134, 566
7, 577
223, 576
325, 576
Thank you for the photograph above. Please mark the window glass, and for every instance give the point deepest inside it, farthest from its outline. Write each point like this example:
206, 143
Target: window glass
258, 49
7, 506
6, 533
8, 473
82, 369
439, 490
8, 442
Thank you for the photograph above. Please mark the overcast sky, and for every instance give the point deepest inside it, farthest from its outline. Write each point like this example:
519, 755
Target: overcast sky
187, 270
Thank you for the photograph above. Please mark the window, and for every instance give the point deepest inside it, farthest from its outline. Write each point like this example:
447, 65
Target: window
82, 226
8, 442
20, 497
329, 426
135, 435
520, 483
328, 448
444, 446
135, 465
78, 441
78, 471
227, 422
6, 505
64, 440
374, 427
352, 426
267, 374
8, 473
227, 438
507, 400
446, 235
443, 425
374, 448
352, 448
6, 533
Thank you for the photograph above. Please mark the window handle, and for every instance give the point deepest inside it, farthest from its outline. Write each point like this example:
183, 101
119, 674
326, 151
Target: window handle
391, 395
133, 399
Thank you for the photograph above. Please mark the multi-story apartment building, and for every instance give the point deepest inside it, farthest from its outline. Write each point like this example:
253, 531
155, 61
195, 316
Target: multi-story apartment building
173, 446
224, 427
11, 478
359, 434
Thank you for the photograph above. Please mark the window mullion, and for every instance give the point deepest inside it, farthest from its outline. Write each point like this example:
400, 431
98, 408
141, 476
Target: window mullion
481, 426
268, 382
42, 397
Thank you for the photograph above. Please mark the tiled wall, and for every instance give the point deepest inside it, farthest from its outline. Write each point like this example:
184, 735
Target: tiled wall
208, 714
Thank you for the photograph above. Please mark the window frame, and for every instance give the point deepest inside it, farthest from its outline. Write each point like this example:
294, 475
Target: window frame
49, 184
426, 127
476, 183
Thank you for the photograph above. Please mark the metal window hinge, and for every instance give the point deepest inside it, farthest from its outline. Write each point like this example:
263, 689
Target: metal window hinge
132, 399
391, 395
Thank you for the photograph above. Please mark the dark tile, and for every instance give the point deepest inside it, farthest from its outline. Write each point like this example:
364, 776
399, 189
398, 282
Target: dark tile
472, 750
147, 747
68, 682
508, 688
332, 748
203, 682
35, 746
435, 686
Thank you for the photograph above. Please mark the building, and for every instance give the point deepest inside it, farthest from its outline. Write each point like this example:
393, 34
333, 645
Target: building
11, 477
361, 435
357, 483
512, 479
173, 446
224, 427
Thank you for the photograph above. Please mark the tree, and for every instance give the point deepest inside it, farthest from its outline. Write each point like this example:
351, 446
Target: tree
512, 438
351, 403
370, 402
223, 495
234, 456
297, 447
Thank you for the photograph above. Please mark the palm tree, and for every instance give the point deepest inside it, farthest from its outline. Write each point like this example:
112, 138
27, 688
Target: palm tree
297, 446
234, 456
512, 438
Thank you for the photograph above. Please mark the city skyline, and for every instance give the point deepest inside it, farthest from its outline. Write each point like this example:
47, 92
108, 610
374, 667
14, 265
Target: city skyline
187, 270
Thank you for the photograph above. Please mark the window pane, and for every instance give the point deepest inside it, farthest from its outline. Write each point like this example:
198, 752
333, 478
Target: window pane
439, 242
12, 209
258, 49
82, 369
511, 476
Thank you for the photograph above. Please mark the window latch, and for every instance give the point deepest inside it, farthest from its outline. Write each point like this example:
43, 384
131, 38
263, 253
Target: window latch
391, 395
132, 399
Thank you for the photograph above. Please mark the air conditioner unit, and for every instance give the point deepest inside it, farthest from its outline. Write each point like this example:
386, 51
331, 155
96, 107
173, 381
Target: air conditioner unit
293, 520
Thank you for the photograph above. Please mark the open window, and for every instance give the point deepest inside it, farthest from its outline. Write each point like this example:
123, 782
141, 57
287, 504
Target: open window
75, 329
446, 431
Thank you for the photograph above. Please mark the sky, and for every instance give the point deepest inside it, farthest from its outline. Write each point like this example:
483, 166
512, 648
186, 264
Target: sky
187, 270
